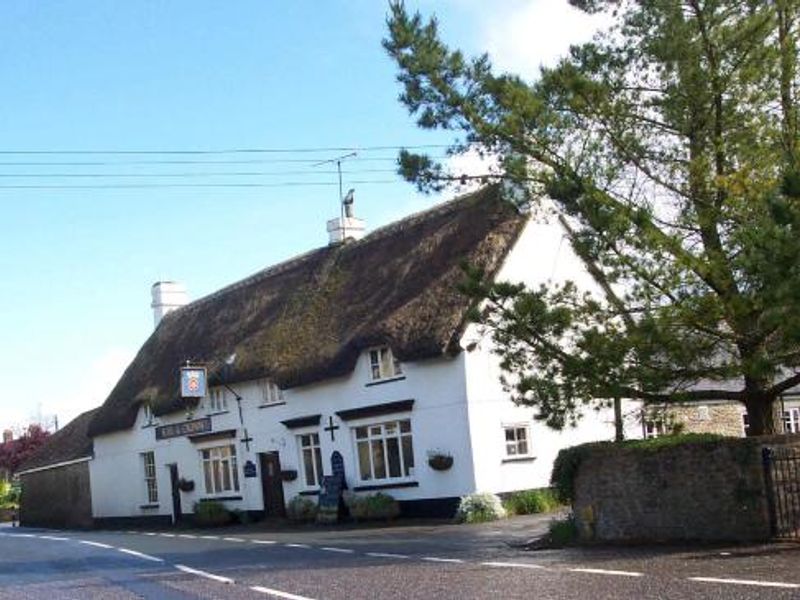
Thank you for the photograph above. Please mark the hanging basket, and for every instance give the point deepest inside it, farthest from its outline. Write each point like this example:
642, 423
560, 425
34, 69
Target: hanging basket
186, 485
288, 474
440, 462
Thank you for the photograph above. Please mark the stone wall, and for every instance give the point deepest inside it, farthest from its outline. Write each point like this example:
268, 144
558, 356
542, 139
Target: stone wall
710, 491
721, 418
59, 497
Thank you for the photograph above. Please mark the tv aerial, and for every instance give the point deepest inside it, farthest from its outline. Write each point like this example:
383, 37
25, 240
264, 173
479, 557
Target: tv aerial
345, 202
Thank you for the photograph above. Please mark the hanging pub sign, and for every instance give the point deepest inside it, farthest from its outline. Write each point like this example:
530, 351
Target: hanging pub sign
193, 382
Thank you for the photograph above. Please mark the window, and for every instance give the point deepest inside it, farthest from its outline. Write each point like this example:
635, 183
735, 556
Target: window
517, 441
270, 393
385, 451
383, 364
219, 469
791, 420
654, 428
311, 458
217, 400
151, 485
746, 423
147, 411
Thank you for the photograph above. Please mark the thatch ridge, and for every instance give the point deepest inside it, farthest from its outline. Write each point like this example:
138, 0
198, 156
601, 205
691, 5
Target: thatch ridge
308, 318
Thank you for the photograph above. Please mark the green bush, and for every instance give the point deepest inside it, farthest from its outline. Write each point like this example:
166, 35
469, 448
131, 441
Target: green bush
530, 502
563, 532
301, 508
479, 508
569, 459
211, 514
372, 507
9, 495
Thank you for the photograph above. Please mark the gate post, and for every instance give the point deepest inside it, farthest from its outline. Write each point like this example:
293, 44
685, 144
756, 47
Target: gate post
769, 483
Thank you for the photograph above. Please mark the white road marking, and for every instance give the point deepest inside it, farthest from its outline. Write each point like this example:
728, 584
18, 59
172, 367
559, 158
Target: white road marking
607, 572
386, 555
775, 584
233, 539
150, 533
167, 534
510, 565
209, 537
205, 574
442, 560
140, 555
132, 532
23, 535
278, 593
54, 538
297, 545
342, 550
265, 542
96, 544
188, 536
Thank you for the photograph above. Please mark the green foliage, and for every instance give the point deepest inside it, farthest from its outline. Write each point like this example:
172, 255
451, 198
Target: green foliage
562, 532
479, 508
9, 495
301, 508
211, 514
669, 149
569, 460
372, 507
530, 502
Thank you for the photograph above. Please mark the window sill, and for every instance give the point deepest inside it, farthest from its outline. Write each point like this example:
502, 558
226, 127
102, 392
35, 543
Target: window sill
148, 506
150, 425
219, 498
385, 380
308, 493
271, 404
218, 413
512, 459
385, 486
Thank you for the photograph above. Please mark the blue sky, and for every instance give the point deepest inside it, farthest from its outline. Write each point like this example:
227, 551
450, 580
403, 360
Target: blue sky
77, 264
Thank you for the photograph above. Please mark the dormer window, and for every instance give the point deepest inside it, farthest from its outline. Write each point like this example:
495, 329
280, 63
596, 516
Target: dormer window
270, 393
147, 412
217, 400
383, 364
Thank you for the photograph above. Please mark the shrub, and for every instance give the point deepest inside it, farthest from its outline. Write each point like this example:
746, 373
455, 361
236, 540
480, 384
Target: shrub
301, 508
479, 508
530, 502
563, 532
211, 514
372, 506
9, 495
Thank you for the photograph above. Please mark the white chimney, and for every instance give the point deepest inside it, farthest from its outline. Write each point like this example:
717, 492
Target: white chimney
347, 226
8, 436
167, 296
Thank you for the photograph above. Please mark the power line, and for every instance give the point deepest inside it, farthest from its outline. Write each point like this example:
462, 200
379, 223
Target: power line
193, 185
301, 150
191, 174
97, 163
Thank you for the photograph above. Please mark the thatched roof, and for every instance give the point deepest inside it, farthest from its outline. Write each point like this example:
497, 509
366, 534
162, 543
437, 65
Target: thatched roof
71, 442
308, 319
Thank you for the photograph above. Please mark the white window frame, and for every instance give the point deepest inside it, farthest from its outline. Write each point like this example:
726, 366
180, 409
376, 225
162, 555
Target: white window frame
382, 439
791, 420
147, 413
150, 478
308, 445
217, 400
654, 428
216, 462
270, 393
383, 365
515, 428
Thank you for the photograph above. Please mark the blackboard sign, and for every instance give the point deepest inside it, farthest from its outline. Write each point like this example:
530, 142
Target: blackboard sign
186, 428
250, 469
330, 498
337, 467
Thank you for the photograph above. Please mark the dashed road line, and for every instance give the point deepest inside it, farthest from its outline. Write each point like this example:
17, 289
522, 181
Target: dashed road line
209, 537
150, 533
169, 535
297, 545
141, 555
188, 536
233, 539
205, 574
96, 544
386, 555
512, 565
438, 559
754, 582
54, 538
265, 542
278, 593
606, 572
341, 550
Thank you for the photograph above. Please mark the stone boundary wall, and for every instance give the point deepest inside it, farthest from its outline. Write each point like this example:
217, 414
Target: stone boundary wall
709, 491
59, 497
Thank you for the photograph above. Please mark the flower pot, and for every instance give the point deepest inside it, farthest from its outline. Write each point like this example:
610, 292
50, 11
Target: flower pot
186, 485
440, 462
288, 474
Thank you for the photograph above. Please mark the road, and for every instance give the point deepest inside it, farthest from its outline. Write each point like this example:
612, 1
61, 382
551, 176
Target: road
462, 562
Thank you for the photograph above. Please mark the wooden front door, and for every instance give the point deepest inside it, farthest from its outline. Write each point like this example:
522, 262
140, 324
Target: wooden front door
271, 484
177, 512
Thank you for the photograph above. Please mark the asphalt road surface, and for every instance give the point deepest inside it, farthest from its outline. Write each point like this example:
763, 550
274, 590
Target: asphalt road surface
460, 562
